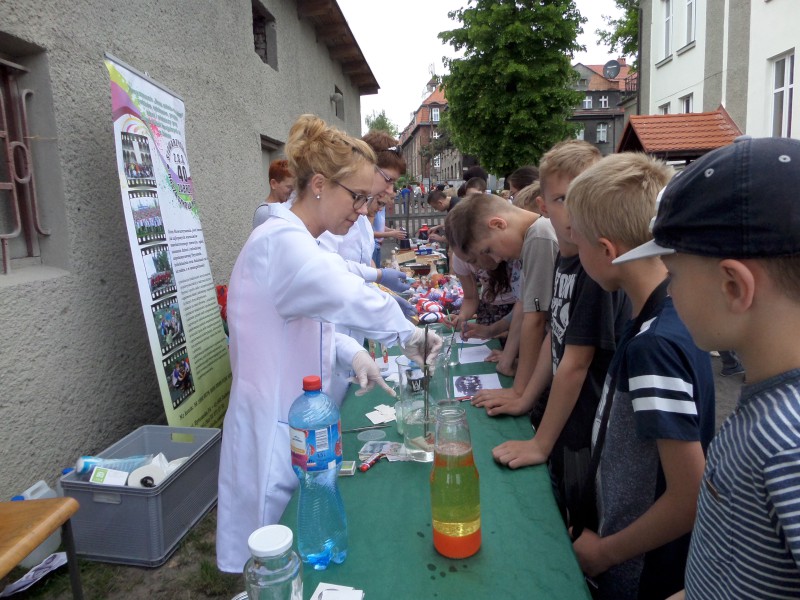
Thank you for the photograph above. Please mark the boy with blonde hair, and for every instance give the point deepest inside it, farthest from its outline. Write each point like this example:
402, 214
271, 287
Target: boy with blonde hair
656, 414
728, 229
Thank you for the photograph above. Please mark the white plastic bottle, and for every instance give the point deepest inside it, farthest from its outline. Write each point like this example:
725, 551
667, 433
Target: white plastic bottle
38, 491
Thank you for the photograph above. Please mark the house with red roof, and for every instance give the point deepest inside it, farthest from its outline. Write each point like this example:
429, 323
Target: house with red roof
601, 114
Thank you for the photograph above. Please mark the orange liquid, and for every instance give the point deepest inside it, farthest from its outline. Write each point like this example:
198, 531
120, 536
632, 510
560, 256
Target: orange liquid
455, 502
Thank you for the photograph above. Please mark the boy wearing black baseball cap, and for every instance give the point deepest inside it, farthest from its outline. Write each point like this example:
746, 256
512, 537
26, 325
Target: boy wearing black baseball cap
728, 230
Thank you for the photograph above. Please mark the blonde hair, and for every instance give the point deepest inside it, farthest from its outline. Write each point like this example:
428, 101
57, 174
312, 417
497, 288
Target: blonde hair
616, 198
314, 147
466, 222
526, 197
568, 159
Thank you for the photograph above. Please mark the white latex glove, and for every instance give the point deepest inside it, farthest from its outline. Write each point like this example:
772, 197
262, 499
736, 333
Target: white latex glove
368, 374
415, 347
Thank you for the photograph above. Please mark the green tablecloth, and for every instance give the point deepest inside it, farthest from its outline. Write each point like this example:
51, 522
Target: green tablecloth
525, 553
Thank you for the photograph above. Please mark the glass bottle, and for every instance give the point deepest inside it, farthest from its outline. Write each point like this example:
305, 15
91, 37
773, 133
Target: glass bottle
455, 487
274, 571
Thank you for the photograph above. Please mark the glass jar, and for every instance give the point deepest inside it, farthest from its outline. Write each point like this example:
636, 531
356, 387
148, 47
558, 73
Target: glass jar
273, 571
455, 487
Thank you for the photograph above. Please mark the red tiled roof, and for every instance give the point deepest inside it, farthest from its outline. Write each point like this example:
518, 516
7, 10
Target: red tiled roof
686, 135
436, 97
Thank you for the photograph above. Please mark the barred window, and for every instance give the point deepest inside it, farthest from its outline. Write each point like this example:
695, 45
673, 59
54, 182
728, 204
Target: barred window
20, 223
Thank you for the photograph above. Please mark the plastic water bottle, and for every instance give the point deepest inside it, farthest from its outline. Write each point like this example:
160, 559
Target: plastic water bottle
316, 441
274, 571
37, 491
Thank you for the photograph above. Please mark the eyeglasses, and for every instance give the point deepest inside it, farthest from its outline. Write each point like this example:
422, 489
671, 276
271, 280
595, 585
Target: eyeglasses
386, 177
359, 200
396, 149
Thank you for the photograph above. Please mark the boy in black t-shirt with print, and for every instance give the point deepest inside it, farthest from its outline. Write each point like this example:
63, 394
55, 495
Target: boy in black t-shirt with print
585, 321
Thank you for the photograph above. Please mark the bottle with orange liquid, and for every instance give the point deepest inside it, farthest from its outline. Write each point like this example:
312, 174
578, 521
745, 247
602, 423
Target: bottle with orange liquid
455, 489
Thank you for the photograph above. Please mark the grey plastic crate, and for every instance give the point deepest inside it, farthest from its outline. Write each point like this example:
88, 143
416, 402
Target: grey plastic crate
140, 526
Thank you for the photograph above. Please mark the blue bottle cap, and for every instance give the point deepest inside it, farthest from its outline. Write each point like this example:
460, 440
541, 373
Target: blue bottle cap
17, 498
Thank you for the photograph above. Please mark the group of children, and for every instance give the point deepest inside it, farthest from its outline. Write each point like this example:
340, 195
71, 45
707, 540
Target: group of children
614, 357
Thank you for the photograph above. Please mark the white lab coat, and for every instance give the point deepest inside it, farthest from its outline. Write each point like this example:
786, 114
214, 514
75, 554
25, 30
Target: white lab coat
284, 295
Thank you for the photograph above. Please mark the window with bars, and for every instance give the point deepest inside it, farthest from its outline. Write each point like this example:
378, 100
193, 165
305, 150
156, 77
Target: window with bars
782, 95
20, 221
587, 102
603, 101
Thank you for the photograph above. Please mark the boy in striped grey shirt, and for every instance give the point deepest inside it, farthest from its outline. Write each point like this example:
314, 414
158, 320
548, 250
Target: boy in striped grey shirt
728, 229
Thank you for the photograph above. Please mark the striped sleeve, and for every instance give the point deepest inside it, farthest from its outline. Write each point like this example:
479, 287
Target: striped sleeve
662, 390
782, 481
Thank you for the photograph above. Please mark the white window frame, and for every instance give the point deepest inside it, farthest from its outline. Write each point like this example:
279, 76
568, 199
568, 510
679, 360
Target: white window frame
603, 101
664, 109
435, 114
437, 161
687, 103
602, 133
667, 28
691, 12
581, 134
782, 95
587, 102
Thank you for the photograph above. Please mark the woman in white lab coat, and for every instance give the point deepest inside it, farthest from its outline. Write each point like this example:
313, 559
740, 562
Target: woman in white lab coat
284, 297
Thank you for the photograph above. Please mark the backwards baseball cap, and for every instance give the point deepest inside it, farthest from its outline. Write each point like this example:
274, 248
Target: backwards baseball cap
738, 201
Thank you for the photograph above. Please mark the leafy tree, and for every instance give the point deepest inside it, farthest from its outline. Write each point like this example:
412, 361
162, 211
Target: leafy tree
623, 33
510, 96
381, 122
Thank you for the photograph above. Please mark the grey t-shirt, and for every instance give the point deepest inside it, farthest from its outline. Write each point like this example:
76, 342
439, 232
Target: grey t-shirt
539, 251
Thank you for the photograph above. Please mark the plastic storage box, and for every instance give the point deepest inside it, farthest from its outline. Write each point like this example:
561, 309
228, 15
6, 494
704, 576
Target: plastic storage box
143, 526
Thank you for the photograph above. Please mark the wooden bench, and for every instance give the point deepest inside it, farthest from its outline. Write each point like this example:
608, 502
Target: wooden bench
26, 524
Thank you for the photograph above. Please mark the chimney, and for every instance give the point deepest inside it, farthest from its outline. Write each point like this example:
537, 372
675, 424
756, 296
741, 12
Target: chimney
621, 61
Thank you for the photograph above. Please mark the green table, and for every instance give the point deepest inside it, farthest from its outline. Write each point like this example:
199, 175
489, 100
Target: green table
525, 552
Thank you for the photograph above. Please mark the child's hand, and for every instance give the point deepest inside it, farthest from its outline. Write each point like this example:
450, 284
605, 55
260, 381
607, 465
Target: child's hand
507, 367
519, 453
592, 555
501, 402
475, 330
494, 356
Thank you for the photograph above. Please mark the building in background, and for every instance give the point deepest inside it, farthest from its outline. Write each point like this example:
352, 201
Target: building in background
447, 166
698, 55
601, 115
76, 372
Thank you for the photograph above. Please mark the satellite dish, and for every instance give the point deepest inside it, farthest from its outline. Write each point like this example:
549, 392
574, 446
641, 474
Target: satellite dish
611, 69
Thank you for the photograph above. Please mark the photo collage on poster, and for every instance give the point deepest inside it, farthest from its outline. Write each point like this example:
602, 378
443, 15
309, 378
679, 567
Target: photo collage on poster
157, 260
179, 376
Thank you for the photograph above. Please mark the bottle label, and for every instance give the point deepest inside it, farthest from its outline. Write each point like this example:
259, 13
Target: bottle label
317, 449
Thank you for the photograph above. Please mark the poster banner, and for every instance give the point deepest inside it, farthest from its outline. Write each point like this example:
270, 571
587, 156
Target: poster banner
179, 302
